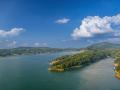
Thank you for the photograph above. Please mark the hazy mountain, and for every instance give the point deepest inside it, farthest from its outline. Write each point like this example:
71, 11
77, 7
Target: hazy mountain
103, 45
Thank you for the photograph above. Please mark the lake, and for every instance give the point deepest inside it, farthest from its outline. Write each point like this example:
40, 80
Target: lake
30, 72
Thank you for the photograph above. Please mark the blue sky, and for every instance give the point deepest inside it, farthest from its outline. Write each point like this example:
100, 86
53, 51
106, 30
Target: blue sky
53, 22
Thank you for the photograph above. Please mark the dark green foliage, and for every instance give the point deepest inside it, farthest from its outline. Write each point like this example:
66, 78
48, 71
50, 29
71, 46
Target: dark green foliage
104, 45
81, 59
87, 57
117, 63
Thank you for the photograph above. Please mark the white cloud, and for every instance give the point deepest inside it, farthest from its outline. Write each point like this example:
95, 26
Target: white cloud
64, 40
24, 45
45, 44
62, 21
12, 44
117, 33
8, 43
90, 41
36, 44
94, 25
12, 32
113, 40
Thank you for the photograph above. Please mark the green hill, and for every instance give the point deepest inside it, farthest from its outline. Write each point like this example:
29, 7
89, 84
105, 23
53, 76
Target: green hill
78, 60
103, 45
91, 54
32, 50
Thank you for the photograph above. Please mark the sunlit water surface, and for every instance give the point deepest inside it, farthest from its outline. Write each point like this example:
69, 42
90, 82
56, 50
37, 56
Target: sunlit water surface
31, 73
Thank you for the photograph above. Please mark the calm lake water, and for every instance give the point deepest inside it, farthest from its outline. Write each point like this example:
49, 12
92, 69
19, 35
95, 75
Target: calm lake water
31, 73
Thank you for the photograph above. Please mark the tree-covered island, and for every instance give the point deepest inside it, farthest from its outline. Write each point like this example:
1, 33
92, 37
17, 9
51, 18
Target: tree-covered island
78, 60
90, 55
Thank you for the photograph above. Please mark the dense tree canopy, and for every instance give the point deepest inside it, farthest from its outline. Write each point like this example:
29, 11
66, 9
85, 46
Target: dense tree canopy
77, 60
117, 62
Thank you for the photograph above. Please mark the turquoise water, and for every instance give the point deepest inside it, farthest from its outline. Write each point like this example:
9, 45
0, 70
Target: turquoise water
31, 73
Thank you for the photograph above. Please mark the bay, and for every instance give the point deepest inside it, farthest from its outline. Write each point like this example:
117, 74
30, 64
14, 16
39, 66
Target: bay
30, 72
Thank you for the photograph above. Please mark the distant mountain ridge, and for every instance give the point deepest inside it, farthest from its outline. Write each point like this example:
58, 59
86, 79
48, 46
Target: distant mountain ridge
32, 50
43, 50
103, 45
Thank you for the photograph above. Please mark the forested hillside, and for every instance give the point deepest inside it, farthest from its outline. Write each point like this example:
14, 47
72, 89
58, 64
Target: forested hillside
90, 55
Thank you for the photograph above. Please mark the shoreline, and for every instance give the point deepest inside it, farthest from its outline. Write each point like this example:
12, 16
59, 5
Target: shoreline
117, 74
